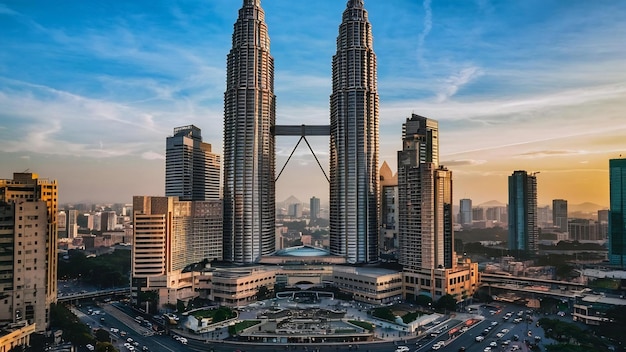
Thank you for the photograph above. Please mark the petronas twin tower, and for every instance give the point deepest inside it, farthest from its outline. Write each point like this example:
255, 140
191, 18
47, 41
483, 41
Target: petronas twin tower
249, 147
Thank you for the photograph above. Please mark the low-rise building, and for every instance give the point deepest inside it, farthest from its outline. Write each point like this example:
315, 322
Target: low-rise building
591, 309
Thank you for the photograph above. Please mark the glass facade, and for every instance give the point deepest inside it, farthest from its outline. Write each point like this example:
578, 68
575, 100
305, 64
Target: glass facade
617, 214
354, 141
523, 232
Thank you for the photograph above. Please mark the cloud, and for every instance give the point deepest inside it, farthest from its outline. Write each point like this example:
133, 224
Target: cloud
463, 162
550, 153
150, 155
5, 10
456, 81
428, 25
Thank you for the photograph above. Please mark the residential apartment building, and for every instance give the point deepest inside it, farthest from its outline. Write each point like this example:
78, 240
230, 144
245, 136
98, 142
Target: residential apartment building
28, 249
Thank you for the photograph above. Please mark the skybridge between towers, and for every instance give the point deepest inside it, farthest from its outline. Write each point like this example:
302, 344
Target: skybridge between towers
303, 131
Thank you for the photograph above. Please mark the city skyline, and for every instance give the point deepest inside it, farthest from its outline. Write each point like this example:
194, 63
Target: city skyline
90, 99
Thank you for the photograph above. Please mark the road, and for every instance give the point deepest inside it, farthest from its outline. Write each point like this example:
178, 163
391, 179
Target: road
124, 321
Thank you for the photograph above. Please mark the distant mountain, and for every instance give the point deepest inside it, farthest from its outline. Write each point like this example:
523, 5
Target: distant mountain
586, 207
492, 203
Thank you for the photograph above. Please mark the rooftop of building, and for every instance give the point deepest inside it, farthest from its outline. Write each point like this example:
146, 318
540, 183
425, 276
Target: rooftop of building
302, 251
367, 271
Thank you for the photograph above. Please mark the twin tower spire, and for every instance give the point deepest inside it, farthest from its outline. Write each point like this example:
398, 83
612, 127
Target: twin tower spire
249, 144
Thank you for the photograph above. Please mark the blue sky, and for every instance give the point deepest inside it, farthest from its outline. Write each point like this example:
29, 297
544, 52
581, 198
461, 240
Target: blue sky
89, 90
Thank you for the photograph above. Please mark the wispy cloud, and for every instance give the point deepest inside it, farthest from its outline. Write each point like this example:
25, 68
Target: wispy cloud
453, 83
550, 153
427, 26
463, 162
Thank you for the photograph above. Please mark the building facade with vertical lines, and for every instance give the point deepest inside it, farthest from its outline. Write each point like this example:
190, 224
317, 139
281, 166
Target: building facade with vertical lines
249, 149
192, 170
523, 231
28, 249
354, 141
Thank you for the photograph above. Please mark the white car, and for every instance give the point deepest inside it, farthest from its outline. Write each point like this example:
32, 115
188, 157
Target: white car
402, 349
438, 345
487, 349
479, 338
499, 335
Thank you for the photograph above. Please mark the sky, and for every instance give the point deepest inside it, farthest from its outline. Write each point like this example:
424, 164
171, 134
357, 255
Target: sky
89, 90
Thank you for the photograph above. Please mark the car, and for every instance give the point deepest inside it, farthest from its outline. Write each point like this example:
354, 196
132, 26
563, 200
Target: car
464, 329
515, 348
530, 333
145, 348
479, 338
90, 347
438, 345
516, 337
402, 349
487, 349
537, 337
494, 323
504, 331
506, 343
462, 349
499, 335
130, 340
561, 314
493, 344
115, 329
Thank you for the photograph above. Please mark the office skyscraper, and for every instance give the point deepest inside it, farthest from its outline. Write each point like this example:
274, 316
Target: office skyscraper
559, 214
168, 235
424, 199
28, 249
314, 208
465, 206
523, 233
617, 213
249, 160
192, 171
354, 141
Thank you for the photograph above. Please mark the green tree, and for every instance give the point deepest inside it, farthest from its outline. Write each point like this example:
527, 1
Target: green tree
103, 335
105, 347
447, 302
384, 313
423, 300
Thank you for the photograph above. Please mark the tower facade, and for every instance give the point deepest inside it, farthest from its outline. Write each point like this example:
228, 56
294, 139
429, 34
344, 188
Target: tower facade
314, 208
249, 149
28, 249
559, 214
388, 208
168, 235
617, 213
523, 232
354, 141
192, 171
465, 206
424, 199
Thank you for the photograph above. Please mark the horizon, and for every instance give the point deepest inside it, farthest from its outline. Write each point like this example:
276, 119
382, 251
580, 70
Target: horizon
539, 86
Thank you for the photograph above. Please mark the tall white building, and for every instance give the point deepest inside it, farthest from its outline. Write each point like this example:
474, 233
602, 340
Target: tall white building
169, 235
28, 249
72, 223
249, 148
354, 179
